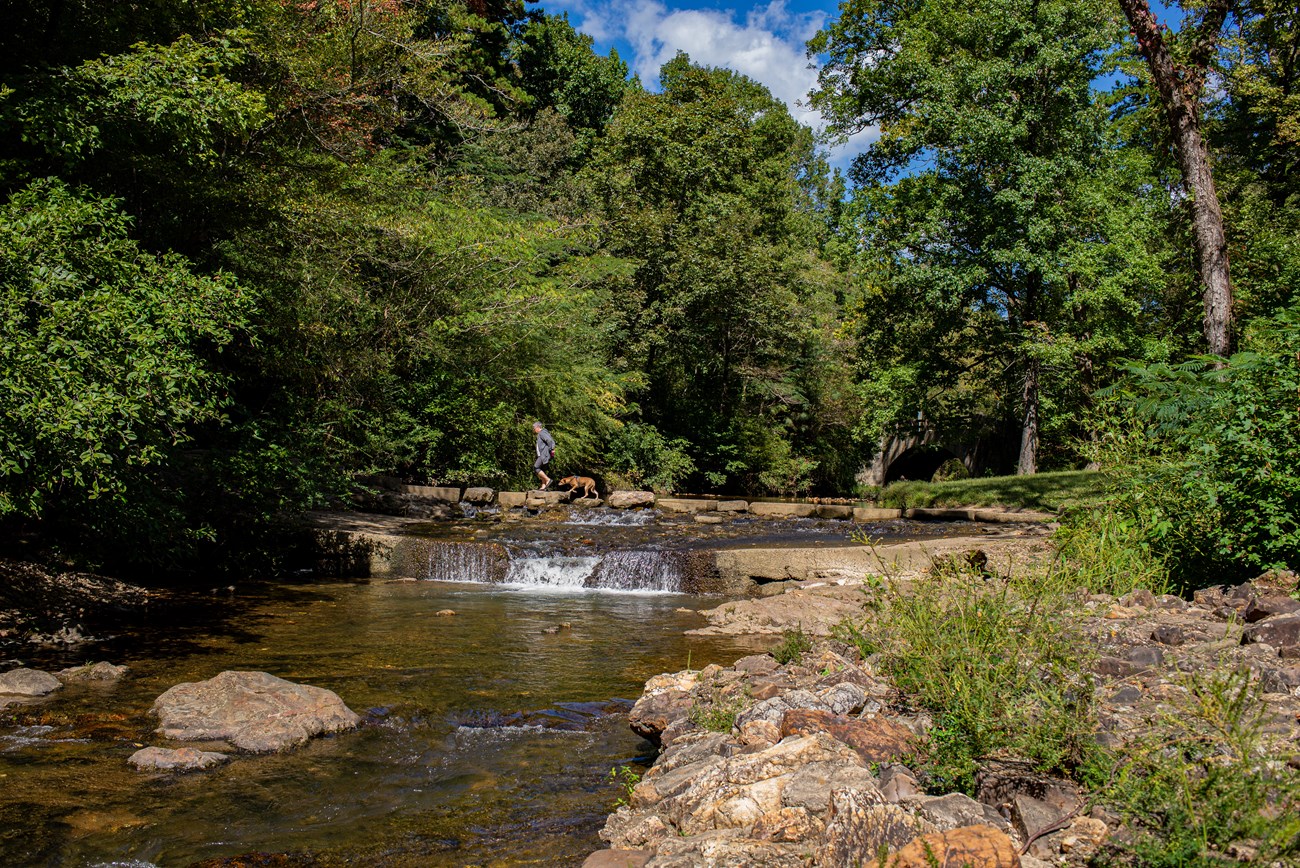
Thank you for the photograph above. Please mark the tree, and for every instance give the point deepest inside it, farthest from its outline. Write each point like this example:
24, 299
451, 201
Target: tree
990, 110
1178, 67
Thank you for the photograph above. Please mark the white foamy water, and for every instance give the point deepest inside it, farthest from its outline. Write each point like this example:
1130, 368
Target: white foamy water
612, 518
556, 571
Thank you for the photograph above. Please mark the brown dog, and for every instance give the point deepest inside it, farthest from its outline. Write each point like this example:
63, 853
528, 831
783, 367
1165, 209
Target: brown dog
574, 483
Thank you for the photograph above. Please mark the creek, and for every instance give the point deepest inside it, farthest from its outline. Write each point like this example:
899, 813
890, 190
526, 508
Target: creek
487, 739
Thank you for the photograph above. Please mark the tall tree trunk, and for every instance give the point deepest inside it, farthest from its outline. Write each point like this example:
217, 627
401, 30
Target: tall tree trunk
1179, 87
1027, 464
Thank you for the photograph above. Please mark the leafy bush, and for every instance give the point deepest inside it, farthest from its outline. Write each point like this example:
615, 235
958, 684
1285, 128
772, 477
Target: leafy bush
793, 645
996, 660
646, 457
1107, 553
716, 711
1206, 459
1197, 784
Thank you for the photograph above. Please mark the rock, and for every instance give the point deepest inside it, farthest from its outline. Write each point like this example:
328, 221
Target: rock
897, 782
254, 711
1140, 598
1033, 816
787, 825
1280, 581
860, 826
653, 714
479, 495
511, 499
1171, 603
1266, 607
1126, 695
705, 518
1000, 781
1280, 631
870, 513
834, 511
28, 682
760, 732
733, 506
729, 848
626, 829
544, 499
445, 613
844, 698
875, 739
810, 787
179, 760
1145, 655
1168, 634
756, 664
1113, 667
100, 672
968, 847
630, 499
955, 811
676, 504
618, 859
783, 510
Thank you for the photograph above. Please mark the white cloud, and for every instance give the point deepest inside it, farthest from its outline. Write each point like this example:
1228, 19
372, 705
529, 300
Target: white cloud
767, 45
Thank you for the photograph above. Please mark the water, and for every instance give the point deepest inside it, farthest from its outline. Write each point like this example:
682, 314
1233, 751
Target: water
487, 740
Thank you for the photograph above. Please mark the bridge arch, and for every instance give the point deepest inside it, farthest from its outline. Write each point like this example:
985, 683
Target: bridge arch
918, 463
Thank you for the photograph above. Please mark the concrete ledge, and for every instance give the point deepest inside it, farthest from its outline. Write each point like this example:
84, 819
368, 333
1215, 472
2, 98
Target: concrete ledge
432, 492
542, 499
783, 510
668, 504
875, 513
733, 506
940, 514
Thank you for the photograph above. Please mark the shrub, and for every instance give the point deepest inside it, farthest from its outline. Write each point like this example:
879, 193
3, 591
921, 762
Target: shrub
717, 710
644, 456
997, 661
1206, 455
793, 645
1197, 784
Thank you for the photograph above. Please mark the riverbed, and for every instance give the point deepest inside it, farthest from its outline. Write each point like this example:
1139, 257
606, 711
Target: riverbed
486, 739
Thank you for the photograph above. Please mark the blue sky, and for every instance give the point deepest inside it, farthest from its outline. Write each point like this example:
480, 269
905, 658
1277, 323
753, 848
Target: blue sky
764, 40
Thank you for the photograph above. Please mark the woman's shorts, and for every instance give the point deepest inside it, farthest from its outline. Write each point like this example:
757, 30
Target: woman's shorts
541, 462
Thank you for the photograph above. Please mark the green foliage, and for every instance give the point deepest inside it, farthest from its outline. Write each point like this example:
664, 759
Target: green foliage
1109, 553
1211, 456
716, 711
105, 350
997, 661
792, 646
645, 457
1198, 783
1050, 491
626, 778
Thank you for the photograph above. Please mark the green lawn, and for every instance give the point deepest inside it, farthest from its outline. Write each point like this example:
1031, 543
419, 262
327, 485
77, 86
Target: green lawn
1050, 491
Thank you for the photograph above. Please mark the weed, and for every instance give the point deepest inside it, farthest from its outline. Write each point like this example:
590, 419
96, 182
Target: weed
717, 711
1108, 553
793, 645
997, 661
1196, 788
627, 779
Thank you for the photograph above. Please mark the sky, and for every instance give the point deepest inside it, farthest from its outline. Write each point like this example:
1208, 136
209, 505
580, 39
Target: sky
763, 40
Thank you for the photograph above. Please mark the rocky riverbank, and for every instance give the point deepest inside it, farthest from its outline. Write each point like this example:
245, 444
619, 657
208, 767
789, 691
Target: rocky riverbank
821, 760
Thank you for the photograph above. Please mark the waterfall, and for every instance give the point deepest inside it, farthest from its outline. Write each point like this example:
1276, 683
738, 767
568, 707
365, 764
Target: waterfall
467, 562
636, 570
639, 571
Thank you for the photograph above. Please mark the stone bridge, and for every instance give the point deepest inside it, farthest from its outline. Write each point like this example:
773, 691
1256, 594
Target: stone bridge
917, 451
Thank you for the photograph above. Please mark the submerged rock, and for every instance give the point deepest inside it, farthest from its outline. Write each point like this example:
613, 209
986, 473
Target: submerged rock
100, 672
28, 682
254, 711
179, 760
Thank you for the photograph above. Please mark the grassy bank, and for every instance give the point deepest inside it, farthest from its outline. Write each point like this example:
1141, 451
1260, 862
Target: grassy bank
1050, 491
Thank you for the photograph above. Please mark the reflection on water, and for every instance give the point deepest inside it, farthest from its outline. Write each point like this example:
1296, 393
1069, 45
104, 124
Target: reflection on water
487, 740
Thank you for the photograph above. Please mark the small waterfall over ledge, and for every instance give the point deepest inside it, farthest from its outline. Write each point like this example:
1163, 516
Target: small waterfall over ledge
689, 572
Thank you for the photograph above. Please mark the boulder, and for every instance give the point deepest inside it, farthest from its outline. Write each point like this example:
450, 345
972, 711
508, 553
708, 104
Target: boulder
733, 506
873, 513
28, 682
100, 672
1280, 631
860, 825
969, 847
511, 499
666, 698
479, 495
1266, 607
810, 787
630, 499
670, 504
955, 811
876, 740
787, 826
544, 499
183, 759
254, 711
